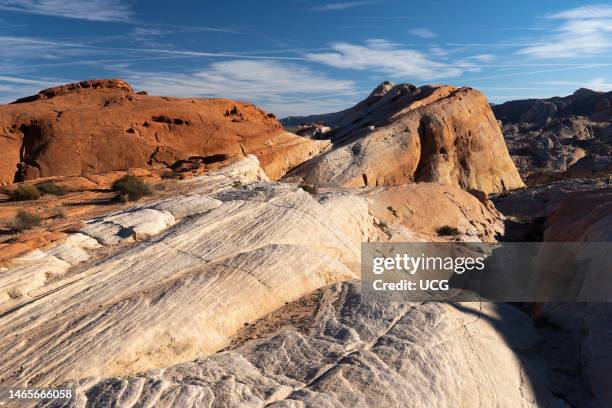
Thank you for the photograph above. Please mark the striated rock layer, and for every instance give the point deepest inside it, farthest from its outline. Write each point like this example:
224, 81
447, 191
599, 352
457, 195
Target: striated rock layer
401, 134
355, 352
168, 281
99, 126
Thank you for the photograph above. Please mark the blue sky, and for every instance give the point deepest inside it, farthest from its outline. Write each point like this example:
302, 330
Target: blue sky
306, 56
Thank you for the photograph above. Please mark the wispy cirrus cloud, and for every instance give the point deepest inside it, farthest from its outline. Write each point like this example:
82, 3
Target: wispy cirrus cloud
23, 50
14, 87
596, 84
343, 5
189, 28
423, 32
33, 48
146, 33
596, 11
388, 58
584, 31
92, 10
280, 87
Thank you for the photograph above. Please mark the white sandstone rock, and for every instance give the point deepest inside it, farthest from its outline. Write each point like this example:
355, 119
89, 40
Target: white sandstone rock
28, 273
181, 207
82, 241
128, 225
69, 253
357, 352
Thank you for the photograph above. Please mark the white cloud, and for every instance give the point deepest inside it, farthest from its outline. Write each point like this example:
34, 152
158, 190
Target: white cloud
439, 52
584, 31
283, 88
599, 11
304, 106
25, 53
423, 33
385, 57
93, 10
596, 84
12, 87
146, 33
483, 57
28, 48
189, 28
342, 6
20, 81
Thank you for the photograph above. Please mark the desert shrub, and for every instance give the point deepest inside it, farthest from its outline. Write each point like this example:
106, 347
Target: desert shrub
447, 230
24, 193
25, 220
170, 175
51, 188
313, 190
130, 188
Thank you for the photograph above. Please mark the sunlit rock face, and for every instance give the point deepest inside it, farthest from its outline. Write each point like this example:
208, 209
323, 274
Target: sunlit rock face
351, 350
401, 134
172, 280
99, 126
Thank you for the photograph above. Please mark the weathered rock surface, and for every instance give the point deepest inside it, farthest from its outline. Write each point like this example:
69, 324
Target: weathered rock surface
149, 305
99, 126
541, 200
401, 134
582, 329
180, 294
356, 351
585, 216
571, 134
576, 338
170, 282
423, 208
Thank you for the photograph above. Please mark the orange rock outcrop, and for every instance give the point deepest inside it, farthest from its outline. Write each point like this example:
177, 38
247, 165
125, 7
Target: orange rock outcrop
99, 126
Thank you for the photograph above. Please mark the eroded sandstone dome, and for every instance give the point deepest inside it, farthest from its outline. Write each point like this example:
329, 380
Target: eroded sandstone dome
103, 125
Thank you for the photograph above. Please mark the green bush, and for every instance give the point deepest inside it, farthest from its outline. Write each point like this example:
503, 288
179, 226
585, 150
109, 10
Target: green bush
447, 230
51, 188
25, 220
24, 193
130, 188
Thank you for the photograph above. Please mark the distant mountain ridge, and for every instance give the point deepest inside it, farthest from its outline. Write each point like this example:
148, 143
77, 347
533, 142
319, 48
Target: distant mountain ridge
583, 102
566, 136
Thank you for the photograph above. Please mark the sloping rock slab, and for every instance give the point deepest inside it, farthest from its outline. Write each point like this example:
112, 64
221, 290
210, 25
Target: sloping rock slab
180, 294
358, 352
